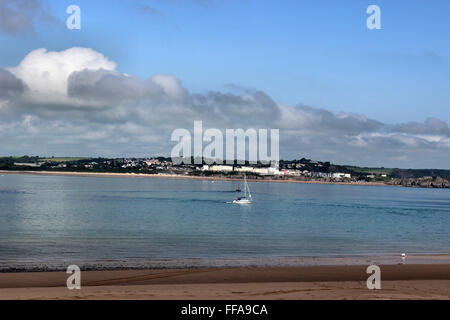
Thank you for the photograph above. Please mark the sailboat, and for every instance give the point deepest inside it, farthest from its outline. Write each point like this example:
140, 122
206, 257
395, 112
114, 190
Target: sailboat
247, 198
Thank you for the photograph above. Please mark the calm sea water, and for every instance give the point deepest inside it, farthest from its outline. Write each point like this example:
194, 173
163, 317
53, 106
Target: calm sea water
57, 218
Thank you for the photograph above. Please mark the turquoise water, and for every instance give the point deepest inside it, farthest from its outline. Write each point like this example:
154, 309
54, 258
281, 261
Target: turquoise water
57, 218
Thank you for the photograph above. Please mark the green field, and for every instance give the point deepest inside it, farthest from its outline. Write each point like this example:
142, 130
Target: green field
67, 159
371, 170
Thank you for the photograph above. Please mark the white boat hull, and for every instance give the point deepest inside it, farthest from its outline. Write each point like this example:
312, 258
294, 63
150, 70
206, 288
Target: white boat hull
247, 198
242, 201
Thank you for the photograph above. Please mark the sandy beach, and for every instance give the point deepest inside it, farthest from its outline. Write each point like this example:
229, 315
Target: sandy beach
425, 281
185, 177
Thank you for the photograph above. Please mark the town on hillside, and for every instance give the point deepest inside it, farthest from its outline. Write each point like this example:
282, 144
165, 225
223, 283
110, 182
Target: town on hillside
300, 170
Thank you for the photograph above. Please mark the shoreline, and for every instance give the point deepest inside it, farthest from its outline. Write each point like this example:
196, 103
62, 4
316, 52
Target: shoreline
217, 263
245, 283
184, 177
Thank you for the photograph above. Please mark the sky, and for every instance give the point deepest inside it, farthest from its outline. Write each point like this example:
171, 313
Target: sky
137, 70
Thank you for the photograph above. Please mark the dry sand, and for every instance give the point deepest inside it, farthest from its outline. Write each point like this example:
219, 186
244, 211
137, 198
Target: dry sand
430, 281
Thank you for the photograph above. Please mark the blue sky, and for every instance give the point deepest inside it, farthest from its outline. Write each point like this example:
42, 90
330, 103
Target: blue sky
318, 53
337, 90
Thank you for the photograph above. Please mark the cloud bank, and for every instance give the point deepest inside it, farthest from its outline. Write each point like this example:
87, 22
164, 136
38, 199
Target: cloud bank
75, 102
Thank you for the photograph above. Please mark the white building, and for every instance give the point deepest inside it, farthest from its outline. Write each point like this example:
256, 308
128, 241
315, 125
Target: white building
293, 173
151, 162
340, 175
274, 171
244, 169
18, 164
221, 168
261, 171
270, 171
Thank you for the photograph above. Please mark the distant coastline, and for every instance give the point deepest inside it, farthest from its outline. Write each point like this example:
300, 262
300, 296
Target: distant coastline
186, 177
288, 171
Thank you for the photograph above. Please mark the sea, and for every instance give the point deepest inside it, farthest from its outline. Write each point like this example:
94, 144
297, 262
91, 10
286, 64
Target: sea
48, 222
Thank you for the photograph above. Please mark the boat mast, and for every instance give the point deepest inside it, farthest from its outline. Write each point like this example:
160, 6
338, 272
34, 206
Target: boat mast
247, 189
245, 186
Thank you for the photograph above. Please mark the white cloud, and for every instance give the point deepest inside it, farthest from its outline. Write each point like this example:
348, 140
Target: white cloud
170, 84
46, 72
75, 102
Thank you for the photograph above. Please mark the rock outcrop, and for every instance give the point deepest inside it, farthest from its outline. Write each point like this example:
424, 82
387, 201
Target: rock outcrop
425, 182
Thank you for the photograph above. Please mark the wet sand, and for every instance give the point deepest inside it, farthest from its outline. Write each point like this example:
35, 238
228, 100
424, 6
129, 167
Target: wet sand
424, 281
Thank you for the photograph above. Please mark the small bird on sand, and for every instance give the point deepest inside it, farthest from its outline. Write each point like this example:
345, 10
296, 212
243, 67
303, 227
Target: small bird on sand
403, 257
